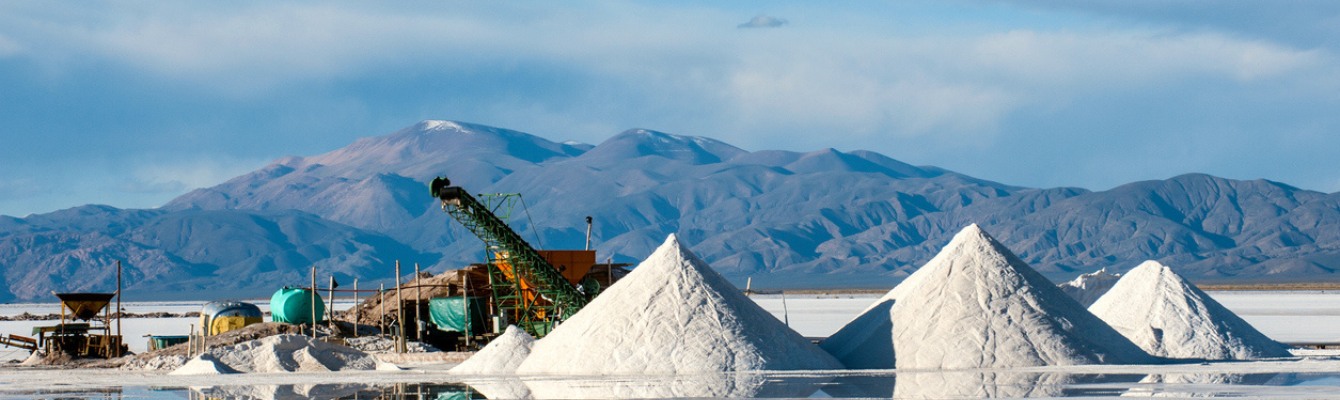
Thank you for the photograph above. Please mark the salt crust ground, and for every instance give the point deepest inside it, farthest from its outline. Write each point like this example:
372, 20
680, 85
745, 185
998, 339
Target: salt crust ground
672, 314
1087, 288
1168, 317
990, 310
1219, 377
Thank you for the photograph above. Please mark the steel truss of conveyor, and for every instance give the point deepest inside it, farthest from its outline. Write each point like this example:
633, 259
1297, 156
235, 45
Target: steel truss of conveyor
529, 291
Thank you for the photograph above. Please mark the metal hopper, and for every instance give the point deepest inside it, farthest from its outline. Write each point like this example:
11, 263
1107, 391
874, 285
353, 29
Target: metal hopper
85, 306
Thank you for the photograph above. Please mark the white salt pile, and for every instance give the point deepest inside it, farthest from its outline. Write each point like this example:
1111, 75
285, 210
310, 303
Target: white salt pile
204, 364
1087, 288
977, 305
502, 355
35, 358
867, 341
673, 314
287, 353
1169, 317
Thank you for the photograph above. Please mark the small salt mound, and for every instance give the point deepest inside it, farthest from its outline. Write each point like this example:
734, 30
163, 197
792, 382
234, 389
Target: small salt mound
292, 353
1169, 317
1087, 288
204, 364
36, 358
672, 314
977, 305
502, 355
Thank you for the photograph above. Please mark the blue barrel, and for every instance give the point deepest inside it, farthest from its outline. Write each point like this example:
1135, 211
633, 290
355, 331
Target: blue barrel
294, 306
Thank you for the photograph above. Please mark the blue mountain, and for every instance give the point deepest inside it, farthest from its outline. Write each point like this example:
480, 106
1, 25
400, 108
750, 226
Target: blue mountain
786, 219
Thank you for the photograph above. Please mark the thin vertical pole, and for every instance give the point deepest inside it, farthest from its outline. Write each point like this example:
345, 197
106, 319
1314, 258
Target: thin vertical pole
356, 308
331, 310
313, 302
118, 303
418, 306
465, 301
381, 308
399, 310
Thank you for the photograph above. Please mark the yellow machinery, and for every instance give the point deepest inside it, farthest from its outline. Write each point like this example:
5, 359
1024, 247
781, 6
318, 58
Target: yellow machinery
221, 316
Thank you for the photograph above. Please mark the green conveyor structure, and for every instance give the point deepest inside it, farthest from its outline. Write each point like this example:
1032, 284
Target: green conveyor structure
529, 291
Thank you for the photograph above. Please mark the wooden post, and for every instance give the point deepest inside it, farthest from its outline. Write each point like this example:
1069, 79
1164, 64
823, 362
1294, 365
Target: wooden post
355, 315
418, 303
381, 309
118, 305
399, 311
313, 302
331, 310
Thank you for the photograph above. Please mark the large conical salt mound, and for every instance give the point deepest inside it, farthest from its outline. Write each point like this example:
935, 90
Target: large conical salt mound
673, 314
977, 305
866, 342
502, 355
1168, 317
1087, 288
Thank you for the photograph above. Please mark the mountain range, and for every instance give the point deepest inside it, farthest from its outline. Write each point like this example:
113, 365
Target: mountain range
825, 218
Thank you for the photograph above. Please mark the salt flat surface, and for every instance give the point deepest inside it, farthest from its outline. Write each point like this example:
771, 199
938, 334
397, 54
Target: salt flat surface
816, 315
1316, 377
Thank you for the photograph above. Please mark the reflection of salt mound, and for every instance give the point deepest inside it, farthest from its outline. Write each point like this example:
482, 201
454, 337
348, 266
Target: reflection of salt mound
711, 386
502, 355
204, 364
1167, 316
291, 353
1201, 384
978, 305
289, 392
501, 389
980, 385
673, 314
1087, 288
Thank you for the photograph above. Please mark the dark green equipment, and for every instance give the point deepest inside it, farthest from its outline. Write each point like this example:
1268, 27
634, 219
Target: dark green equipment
528, 291
467, 315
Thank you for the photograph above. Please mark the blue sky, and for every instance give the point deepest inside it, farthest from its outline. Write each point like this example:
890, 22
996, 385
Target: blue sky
131, 103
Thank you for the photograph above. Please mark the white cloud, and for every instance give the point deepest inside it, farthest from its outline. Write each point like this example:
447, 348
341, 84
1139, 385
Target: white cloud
763, 21
682, 68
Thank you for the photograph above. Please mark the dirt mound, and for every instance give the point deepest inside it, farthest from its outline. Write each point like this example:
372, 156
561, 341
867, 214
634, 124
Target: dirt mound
372, 311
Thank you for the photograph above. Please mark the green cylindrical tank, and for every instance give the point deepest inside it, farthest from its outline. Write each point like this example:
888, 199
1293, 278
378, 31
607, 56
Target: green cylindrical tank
294, 306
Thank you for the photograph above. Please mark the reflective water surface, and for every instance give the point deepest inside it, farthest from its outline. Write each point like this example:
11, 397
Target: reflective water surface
905, 385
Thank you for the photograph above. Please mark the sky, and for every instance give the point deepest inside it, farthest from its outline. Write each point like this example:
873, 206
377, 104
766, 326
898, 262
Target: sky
132, 103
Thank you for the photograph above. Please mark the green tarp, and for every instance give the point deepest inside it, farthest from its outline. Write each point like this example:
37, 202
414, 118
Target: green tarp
449, 314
